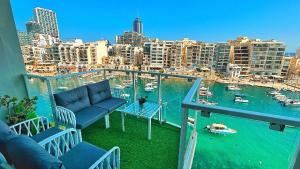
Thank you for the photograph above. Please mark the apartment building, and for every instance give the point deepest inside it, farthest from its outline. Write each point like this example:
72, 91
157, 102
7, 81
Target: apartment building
266, 57
193, 53
221, 57
241, 55
286, 63
207, 55
24, 38
131, 38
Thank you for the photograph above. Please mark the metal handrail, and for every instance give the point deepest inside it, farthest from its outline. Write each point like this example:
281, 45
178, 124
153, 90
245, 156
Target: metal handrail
277, 119
102, 70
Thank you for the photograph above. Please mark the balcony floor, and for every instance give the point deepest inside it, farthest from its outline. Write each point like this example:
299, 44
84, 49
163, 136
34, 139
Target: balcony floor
136, 151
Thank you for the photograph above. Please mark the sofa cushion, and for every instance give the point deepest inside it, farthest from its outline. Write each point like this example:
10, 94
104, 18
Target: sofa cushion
5, 135
74, 100
25, 153
111, 104
87, 116
82, 156
45, 134
99, 91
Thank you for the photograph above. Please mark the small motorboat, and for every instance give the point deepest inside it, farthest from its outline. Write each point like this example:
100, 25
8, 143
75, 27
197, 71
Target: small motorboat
149, 87
205, 93
273, 93
120, 87
241, 100
220, 129
240, 95
292, 103
202, 101
89, 82
233, 88
62, 88
280, 98
127, 83
203, 88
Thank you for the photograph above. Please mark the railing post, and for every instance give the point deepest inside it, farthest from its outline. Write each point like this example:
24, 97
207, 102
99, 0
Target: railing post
104, 73
134, 87
25, 77
50, 93
296, 160
159, 100
183, 132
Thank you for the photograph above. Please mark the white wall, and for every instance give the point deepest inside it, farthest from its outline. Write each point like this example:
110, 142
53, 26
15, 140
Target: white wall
11, 61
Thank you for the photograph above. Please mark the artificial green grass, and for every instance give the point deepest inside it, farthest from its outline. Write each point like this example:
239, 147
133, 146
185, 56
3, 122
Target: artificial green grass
137, 152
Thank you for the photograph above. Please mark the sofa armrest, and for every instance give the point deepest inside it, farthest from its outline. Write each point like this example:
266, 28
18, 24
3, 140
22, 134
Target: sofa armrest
65, 117
62, 142
112, 158
31, 127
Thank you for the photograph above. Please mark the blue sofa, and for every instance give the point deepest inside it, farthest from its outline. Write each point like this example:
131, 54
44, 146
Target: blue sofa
80, 107
63, 150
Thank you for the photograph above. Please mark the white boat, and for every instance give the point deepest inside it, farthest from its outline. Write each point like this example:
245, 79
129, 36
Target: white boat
89, 82
203, 91
220, 129
62, 88
241, 100
274, 92
120, 87
280, 98
149, 87
203, 88
202, 101
127, 83
234, 88
125, 95
292, 103
154, 84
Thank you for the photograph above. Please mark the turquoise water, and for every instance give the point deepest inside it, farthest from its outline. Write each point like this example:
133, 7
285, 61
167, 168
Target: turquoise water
254, 146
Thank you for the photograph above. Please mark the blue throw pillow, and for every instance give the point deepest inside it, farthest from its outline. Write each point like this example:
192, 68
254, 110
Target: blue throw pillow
99, 91
74, 100
25, 153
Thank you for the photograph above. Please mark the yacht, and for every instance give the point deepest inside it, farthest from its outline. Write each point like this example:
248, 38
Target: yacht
231, 87
280, 98
292, 103
241, 100
220, 129
149, 87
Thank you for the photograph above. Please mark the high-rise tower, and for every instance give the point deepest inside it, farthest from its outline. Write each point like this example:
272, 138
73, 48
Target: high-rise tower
138, 25
47, 20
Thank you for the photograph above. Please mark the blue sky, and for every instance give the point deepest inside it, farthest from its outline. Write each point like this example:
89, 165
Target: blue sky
211, 21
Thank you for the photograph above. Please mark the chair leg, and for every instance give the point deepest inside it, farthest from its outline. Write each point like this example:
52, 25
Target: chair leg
79, 135
123, 122
107, 125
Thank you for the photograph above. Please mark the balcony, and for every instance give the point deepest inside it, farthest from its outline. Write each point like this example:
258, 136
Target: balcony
181, 140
